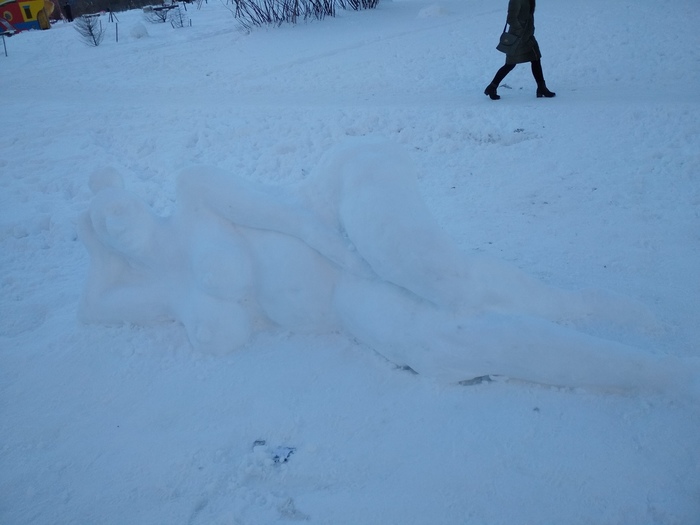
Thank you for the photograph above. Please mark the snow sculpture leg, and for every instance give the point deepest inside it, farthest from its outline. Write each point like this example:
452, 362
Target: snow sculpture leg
374, 187
451, 348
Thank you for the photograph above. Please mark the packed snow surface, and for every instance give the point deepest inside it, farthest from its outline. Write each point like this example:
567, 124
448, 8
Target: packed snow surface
311, 273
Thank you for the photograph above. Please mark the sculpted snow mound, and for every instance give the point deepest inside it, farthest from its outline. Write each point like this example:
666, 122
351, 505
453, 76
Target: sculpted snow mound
354, 248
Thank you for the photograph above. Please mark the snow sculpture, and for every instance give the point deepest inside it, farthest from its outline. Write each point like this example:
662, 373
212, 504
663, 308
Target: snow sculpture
352, 248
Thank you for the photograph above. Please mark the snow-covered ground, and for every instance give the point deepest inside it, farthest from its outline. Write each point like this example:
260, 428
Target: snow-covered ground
596, 189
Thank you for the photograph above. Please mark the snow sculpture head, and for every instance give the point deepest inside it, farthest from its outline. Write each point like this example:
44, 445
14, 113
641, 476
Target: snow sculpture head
122, 221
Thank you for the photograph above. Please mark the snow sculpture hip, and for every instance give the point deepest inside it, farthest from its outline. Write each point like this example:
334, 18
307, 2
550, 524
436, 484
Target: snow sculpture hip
352, 248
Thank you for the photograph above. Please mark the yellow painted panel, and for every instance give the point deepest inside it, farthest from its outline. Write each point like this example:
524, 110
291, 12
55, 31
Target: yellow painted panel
34, 7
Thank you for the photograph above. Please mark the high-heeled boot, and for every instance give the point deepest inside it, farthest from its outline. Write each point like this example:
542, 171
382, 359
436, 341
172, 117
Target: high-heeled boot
542, 91
491, 92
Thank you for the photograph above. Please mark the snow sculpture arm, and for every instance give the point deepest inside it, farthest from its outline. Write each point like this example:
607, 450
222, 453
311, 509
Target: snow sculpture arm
252, 205
146, 268
118, 288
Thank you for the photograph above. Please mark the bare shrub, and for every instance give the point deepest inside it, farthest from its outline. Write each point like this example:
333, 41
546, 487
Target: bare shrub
156, 14
90, 29
252, 13
177, 18
357, 4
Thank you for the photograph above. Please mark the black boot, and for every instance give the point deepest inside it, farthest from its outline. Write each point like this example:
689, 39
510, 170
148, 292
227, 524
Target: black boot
491, 92
542, 91
500, 75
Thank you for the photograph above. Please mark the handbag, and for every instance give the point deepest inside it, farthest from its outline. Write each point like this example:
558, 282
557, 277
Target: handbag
507, 42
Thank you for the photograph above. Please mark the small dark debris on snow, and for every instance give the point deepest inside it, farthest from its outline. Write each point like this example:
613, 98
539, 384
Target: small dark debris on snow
476, 381
282, 454
279, 454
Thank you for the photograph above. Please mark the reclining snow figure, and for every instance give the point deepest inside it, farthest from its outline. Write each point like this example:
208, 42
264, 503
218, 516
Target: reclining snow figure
352, 248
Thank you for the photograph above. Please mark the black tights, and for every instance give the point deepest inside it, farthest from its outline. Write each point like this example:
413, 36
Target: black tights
507, 68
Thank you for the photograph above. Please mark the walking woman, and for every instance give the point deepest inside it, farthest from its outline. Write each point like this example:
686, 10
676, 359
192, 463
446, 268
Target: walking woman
521, 22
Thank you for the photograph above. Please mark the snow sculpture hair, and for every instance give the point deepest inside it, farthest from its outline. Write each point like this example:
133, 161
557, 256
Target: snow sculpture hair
353, 248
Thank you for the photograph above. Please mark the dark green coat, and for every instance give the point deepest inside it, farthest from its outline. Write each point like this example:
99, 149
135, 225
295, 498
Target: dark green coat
521, 22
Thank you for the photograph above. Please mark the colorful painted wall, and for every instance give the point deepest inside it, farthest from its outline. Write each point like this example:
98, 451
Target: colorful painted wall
26, 14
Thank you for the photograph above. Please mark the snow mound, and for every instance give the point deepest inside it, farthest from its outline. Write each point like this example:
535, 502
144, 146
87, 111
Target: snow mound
433, 11
138, 31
